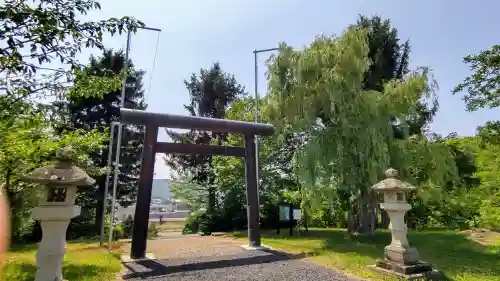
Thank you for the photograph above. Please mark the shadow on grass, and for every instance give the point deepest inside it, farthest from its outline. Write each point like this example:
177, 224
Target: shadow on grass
23, 248
450, 252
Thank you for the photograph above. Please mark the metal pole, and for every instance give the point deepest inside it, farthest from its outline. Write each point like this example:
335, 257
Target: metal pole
119, 137
106, 184
257, 99
150, 28
119, 142
256, 69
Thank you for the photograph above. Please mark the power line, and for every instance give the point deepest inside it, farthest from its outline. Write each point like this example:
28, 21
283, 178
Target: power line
153, 67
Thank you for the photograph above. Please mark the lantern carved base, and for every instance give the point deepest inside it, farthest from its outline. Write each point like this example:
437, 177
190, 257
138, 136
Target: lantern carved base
401, 255
417, 271
417, 267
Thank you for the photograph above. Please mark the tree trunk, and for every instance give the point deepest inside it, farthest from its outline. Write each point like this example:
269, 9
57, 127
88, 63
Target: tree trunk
385, 220
99, 205
305, 220
211, 200
362, 215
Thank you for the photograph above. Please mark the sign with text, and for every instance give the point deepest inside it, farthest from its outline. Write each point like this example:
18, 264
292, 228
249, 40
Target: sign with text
284, 213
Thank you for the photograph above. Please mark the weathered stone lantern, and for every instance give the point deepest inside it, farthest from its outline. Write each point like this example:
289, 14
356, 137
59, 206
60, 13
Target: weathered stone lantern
399, 257
56, 209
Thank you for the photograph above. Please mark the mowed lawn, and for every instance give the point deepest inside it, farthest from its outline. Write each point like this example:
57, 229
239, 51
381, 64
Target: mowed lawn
170, 226
455, 254
83, 262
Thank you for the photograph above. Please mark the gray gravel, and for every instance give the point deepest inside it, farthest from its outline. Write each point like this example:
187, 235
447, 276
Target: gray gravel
244, 265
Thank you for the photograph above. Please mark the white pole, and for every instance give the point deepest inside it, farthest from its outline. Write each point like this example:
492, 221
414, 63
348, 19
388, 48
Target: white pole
256, 69
106, 184
119, 143
257, 100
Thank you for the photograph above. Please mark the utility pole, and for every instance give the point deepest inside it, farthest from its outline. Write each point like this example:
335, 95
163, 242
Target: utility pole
257, 100
106, 184
119, 140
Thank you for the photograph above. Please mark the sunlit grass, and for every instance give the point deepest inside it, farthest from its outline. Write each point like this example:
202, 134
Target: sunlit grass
459, 258
170, 226
83, 262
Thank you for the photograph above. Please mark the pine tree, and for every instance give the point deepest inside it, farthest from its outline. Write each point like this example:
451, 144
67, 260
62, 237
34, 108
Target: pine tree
211, 92
390, 60
99, 113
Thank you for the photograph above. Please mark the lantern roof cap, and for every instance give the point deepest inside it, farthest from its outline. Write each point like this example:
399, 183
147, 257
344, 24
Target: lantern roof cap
61, 172
392, 183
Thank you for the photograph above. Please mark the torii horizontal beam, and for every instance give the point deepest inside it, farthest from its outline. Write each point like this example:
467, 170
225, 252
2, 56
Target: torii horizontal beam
189, 148
139, 117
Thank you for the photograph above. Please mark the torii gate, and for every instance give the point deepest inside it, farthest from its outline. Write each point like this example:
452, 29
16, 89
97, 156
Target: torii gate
152, 122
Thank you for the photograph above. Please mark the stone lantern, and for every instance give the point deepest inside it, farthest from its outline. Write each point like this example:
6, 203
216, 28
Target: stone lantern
399, 257
56, 209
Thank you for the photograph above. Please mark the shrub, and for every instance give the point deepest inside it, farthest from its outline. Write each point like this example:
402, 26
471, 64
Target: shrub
152, 230
118, 233
128, 227
192, 224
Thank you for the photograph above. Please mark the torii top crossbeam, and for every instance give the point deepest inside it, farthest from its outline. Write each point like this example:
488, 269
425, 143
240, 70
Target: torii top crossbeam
139, 117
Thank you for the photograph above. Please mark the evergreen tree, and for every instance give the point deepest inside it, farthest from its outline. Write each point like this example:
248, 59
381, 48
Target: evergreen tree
211, 92
389, 60
99, 113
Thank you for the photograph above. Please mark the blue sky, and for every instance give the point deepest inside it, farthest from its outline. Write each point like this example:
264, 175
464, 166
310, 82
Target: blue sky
196, 33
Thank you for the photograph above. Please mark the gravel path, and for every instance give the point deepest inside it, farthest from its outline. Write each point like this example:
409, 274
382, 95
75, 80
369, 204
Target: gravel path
221, 259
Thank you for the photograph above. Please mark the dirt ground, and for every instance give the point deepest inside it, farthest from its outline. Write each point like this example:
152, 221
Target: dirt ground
483, 236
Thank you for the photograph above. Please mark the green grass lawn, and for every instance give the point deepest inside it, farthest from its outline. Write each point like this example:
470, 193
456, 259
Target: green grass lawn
83, 262
457, 256
170, 226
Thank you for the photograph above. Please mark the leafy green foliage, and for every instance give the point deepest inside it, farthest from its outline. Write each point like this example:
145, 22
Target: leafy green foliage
36, 33
210, 93
128, 227
389, 60
193, 222
353, 143
90, 112
483, 85
189, 193
50, 29
28, 142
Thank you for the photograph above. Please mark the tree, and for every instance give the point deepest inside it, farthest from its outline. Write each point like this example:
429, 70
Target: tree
89, 112
483, 91
28, 142
36, 33
389, 60
277, 178
191, 195
354, 143
210, 94
483, 85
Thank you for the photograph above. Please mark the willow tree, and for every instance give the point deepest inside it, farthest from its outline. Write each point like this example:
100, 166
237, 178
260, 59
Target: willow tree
319, 90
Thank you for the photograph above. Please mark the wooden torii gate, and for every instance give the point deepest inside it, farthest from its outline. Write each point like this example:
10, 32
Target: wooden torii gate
152, 122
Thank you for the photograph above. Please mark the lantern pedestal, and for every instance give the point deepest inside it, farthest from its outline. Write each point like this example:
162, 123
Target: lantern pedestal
54, 221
